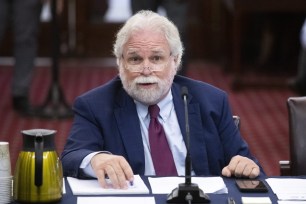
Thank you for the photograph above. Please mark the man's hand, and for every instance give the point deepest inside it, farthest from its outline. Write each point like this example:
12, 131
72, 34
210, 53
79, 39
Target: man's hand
241, 167
115, 167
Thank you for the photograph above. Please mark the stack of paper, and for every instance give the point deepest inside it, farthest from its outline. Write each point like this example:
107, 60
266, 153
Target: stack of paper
288, 189
164, 185
92, 187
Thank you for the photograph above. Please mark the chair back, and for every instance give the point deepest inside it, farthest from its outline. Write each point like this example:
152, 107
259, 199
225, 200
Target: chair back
297, 134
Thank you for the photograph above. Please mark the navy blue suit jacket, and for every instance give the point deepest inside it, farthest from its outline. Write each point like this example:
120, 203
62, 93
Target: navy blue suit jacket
106, 120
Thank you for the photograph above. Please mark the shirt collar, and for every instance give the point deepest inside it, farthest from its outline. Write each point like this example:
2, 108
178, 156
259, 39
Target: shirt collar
165, 106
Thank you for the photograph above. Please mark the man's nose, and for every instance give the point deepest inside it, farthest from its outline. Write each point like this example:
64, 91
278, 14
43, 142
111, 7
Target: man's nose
146, 67
146, 63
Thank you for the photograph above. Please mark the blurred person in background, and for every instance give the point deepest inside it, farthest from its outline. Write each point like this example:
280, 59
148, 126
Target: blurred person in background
24, 18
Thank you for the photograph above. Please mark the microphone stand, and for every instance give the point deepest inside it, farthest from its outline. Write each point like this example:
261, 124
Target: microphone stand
55, 105
187, 192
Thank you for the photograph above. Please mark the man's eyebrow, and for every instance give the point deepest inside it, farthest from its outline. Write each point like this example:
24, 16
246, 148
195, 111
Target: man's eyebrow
132, 52
158, 51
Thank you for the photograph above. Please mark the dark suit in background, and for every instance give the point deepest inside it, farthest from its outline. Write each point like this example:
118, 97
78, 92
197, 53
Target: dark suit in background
24, 16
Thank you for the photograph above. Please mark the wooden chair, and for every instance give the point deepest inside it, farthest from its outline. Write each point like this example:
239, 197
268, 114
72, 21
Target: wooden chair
297, 138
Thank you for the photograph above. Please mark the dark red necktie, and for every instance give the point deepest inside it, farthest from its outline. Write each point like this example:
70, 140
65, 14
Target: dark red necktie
160, 151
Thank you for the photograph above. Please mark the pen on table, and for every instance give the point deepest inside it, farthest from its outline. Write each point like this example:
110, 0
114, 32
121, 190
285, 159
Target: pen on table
131, 183
230, 201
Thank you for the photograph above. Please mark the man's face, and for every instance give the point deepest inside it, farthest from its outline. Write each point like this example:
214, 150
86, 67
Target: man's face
147, 67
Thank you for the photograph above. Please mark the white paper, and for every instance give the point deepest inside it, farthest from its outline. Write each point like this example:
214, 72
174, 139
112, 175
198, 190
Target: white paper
164, 185
64, 187
116, 200
291, 202
256, 200
288, 188
292, 196
92, 187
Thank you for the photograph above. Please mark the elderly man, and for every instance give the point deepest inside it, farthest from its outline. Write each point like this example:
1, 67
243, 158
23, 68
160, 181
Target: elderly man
118, 131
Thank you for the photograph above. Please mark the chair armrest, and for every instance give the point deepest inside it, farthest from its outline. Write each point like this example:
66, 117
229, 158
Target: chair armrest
284, 168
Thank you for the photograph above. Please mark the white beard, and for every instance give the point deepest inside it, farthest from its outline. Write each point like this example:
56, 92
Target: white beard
147, 96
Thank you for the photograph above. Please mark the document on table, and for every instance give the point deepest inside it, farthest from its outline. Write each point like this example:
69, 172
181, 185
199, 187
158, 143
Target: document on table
290, 189
116, 200
291, 202
92, 187
255, 200
164, 185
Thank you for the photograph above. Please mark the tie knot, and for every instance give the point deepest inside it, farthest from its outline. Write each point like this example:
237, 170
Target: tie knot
153, 111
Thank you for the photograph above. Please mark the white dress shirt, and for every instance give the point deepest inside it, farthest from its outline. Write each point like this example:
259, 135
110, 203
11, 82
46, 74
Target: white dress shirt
167, 117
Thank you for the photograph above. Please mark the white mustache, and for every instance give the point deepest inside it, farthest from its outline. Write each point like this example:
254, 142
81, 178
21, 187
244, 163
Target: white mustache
151, 79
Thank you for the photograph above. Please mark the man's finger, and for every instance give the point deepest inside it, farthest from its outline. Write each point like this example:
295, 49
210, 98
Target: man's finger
226, 172
128, 172
101, 178
112, 175
254, 173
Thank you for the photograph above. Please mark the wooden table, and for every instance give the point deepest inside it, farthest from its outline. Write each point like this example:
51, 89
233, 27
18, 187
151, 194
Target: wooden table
239, 8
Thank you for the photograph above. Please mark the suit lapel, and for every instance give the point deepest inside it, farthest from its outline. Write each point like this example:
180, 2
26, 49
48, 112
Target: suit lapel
129, 127
198, 154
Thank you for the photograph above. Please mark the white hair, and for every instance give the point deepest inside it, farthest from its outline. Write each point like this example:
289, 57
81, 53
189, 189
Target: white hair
146, 19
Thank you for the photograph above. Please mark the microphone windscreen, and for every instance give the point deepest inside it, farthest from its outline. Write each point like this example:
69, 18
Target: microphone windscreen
184, 91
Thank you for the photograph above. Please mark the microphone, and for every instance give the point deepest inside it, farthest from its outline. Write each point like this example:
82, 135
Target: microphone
187, 192
188, 157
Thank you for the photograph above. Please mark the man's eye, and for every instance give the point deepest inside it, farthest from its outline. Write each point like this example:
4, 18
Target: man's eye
156, 58
134, 60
